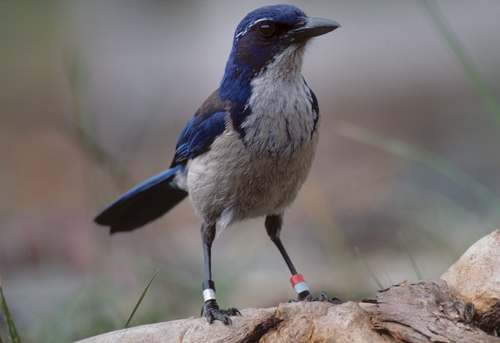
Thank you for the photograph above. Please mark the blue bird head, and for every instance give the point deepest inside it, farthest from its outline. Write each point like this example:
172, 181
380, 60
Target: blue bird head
260, 38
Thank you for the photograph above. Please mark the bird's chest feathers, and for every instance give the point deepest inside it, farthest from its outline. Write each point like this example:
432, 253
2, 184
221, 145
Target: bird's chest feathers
281, 117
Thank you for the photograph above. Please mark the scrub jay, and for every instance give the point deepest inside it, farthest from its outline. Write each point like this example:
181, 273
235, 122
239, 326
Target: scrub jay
248, 149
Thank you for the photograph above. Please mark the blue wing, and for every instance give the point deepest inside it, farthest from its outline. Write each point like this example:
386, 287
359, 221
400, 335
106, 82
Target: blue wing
156, 196
196, 138
201, 131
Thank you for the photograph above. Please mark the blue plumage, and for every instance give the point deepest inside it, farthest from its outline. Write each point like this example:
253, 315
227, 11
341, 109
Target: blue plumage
144, 203
248, 149
197, 137
250, 53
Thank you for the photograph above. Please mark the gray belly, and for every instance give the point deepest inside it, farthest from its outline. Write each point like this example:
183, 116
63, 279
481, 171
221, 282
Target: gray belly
231, 183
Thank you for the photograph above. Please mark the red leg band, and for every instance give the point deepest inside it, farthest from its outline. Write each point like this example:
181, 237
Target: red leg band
298, 283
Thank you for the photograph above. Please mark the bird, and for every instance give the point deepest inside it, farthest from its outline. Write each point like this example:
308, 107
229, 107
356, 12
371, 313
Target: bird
248, 150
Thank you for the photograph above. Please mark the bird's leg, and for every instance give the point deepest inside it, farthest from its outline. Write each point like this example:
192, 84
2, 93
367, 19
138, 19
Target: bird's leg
273, 227
211, 309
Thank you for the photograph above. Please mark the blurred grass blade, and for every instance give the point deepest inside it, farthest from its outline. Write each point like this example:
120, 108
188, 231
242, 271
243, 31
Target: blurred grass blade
315, 204
434, 162
362, 257
389, 278
410, 256
140, 299
450, 37
82, 131
9, 322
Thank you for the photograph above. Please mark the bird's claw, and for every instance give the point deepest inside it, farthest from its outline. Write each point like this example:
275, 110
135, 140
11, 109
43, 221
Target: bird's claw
306, 296
212, 312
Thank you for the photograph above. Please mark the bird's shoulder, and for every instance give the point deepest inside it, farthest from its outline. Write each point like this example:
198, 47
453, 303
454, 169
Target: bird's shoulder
206, 125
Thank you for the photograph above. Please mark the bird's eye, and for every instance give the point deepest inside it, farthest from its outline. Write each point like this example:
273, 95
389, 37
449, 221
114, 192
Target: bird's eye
266, 29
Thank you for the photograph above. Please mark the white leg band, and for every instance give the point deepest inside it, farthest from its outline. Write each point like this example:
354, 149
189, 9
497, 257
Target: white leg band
301, 287
209, 294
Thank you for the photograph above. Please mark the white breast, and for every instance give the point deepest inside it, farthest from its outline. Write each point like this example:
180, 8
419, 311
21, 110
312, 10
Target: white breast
282, 117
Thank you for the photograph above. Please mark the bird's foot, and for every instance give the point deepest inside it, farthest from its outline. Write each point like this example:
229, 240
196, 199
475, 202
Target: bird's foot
212, 312
307, 296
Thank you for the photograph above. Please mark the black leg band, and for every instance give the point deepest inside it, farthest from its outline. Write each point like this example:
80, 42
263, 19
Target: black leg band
208, 290
208, 284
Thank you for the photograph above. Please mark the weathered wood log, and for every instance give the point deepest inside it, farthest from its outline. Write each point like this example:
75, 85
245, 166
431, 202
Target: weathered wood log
423, 312
475, 278
290, 322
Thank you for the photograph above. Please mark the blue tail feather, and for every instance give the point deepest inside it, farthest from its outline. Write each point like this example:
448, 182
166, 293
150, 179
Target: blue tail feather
144, 203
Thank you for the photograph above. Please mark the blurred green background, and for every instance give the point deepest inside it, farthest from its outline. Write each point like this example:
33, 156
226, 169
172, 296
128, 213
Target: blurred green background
93, 95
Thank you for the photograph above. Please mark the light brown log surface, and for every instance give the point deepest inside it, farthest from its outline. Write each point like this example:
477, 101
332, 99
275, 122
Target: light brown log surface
423, 312
475, 277
292, 322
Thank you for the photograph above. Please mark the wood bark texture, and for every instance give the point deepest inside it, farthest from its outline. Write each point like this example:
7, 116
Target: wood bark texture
463, 306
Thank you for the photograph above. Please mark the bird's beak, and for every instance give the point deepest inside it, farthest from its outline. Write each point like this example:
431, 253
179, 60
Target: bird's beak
312, 27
